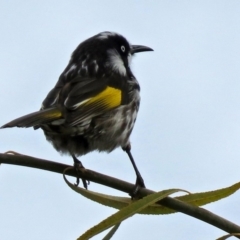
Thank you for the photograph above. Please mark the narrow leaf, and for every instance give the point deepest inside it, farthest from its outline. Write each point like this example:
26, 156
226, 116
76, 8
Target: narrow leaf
111, 232
198, 199
126, 212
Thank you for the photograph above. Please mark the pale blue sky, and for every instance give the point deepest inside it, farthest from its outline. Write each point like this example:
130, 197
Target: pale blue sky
188, 129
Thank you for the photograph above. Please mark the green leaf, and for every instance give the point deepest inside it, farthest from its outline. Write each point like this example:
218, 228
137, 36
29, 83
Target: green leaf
126, 212
107, 200
197, 199
111, 232
203, 198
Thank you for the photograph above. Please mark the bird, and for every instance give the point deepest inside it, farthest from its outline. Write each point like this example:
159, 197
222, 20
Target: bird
94, 104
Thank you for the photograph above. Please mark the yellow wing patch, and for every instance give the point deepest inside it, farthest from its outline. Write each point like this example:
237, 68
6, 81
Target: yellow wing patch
110, 98
106, 100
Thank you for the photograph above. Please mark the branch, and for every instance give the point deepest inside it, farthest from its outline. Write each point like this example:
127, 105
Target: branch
196, 212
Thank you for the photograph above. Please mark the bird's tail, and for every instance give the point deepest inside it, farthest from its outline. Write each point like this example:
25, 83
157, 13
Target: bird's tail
35, 118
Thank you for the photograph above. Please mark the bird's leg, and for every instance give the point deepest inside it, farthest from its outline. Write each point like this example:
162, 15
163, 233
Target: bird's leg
77, 166
139, 181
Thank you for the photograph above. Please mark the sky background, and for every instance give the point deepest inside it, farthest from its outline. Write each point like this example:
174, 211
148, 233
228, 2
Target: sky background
187, 134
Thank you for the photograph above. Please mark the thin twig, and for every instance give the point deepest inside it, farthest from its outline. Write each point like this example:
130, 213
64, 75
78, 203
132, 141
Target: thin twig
196, 212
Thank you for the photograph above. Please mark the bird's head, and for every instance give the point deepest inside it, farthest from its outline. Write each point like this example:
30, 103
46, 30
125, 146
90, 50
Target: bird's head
106, 51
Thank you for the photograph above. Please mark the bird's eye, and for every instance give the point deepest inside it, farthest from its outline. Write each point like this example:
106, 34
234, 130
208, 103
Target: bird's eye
123, 48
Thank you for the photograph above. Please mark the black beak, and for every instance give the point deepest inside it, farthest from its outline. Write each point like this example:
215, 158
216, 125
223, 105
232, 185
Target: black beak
139, 48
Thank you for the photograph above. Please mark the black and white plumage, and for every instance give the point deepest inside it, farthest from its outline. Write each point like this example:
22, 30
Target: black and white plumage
94, 104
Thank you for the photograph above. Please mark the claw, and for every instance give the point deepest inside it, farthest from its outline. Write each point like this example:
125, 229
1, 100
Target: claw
79, 167
139, 184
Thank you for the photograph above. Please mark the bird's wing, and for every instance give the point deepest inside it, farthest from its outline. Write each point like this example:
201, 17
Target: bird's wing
87, 98
35, 118
77, 101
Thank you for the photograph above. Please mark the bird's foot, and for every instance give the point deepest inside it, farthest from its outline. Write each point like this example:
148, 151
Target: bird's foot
79, 167
139, 184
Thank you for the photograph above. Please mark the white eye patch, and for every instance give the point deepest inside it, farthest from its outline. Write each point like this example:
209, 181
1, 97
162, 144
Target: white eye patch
116, 63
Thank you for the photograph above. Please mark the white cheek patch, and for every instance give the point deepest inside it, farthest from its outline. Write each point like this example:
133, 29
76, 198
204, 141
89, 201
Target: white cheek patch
116, 63
129, 58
